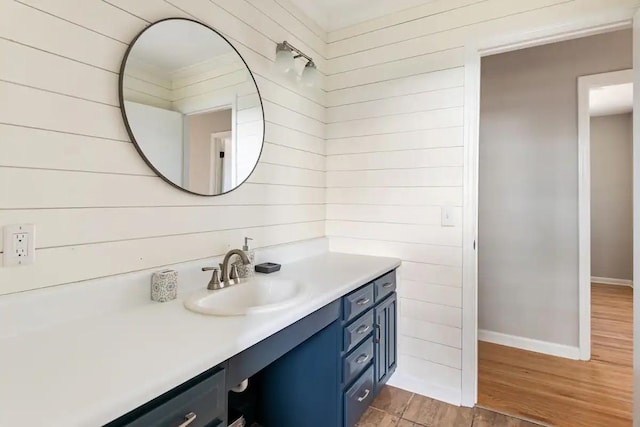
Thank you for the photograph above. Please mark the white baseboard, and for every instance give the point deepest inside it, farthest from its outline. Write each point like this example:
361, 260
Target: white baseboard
425, 388
611, 281
545, 347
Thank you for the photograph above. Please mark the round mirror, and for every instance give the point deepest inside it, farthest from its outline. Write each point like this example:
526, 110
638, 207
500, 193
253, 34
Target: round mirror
191, 106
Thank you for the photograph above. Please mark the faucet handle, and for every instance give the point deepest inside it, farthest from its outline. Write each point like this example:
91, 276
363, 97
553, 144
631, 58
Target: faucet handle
234, 272
214, 283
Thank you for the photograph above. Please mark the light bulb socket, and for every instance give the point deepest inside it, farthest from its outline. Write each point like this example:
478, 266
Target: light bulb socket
284, 46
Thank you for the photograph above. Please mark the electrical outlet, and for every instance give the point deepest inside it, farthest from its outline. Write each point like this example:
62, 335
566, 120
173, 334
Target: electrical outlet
19, 245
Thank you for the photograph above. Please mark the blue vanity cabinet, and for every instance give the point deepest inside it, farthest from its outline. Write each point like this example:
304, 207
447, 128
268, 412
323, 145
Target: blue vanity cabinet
385, 340
331, 378
200, 402
301, 389
369, 350
385, 313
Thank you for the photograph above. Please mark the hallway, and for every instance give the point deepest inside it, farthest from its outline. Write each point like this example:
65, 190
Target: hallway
565, 392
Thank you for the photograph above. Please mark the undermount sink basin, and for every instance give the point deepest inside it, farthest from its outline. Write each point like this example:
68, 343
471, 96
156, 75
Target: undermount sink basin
257, 295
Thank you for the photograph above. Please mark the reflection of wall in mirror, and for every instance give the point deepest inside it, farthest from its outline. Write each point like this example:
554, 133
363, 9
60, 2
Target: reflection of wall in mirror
159, 134
204, 86
204, 173
249, 134
210, 85
147, 85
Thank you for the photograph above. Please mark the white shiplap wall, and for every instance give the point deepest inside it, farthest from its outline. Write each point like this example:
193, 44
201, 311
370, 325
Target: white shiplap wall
395, 157
67, 165
393, 130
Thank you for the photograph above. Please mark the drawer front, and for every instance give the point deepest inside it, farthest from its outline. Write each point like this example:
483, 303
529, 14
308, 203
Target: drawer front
357, 302
205, 400
358, 360
358, 331
385, 285
358, 398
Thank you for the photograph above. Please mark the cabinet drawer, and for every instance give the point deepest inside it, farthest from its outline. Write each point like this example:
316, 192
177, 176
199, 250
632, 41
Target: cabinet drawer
384, 286
205, 400
357, 302
357, 331
358, 398
358, 360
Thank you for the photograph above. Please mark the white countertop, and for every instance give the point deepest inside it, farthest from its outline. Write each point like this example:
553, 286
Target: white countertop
90, 371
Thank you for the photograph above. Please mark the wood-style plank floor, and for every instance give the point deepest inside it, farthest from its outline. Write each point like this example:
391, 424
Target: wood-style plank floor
399, 408
563, 392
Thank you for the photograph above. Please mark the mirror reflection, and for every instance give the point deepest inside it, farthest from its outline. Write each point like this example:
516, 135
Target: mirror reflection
192, 107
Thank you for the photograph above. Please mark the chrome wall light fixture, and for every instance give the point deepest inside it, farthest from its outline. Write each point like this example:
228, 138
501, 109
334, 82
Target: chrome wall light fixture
286, 54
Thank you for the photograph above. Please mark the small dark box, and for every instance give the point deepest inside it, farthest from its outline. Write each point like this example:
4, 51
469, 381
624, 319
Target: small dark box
267, 267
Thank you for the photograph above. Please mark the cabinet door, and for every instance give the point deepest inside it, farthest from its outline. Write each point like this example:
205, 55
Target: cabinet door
392, 329
381, 343
385, 340
201, 405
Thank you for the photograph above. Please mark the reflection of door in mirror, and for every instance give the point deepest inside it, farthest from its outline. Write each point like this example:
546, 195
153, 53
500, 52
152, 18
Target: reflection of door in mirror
159, 134
208, 155
222, 166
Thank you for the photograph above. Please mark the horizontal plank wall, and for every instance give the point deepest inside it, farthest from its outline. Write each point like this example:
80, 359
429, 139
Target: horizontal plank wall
67, 165
395, 101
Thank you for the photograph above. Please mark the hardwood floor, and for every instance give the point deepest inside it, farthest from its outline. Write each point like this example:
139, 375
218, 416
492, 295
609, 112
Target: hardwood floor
563, 392
399, 408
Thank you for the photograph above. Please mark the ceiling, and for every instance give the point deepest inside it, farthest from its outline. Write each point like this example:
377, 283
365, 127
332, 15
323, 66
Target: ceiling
607, 100
334, 14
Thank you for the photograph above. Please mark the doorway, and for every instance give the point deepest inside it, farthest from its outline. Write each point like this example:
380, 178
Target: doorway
605, 126
530, 297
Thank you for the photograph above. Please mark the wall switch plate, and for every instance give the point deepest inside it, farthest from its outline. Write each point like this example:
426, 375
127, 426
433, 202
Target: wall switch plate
448, 219
19, 245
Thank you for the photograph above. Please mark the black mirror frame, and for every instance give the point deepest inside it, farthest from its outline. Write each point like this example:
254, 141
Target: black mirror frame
126, 120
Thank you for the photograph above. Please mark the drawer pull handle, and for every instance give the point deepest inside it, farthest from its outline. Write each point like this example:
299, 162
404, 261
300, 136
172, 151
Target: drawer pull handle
362, 359
188, 419
387, 285
363, 301
363, 329
364, 396
377, 333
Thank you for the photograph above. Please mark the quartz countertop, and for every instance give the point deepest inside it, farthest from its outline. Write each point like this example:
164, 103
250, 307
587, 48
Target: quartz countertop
90, 371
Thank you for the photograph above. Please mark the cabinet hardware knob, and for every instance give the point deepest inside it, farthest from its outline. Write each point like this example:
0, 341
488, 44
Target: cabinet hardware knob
362, 359
364, 396
363, 329
387, 285
188, 419
363, 301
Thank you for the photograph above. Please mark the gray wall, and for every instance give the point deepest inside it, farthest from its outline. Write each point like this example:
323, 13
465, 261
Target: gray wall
528, 206
612, 196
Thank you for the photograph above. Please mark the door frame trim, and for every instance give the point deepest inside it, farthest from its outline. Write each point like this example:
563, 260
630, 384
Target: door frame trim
616, 18
585, 84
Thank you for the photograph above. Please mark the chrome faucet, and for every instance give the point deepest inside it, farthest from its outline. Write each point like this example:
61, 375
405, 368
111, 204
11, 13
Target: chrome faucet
226, 277
231, 277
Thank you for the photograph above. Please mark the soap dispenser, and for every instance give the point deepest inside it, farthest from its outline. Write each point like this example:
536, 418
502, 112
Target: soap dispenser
246, 270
